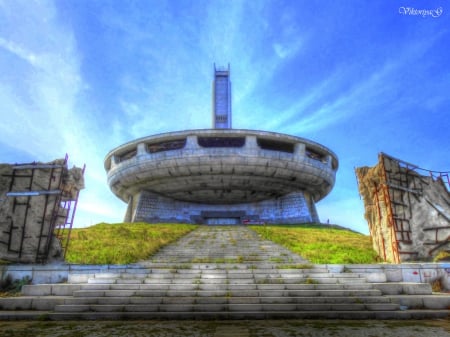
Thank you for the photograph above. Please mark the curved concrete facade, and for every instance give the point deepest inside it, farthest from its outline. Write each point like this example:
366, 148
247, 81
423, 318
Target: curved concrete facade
221, 175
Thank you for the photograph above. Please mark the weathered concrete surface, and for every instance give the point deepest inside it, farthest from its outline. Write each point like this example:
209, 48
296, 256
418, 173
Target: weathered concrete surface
293, 208
391, 273
408, 213
221, 168
226, 273
26, 220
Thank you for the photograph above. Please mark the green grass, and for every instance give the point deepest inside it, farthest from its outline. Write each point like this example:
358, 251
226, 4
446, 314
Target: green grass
121, 243
322, 244
133, 242
10, 288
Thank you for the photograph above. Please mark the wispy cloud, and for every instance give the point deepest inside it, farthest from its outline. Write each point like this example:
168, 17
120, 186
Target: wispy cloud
42, 112
290, 38
177, 85
19, 51
166, 88
293, 113
49, 84
374, 90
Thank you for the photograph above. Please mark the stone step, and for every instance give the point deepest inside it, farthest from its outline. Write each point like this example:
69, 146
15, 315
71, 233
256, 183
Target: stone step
69, 289
226, 300
224, 307
238, 315
231, 279
403, 302
79, 277
218, 281
173, 271
32, 303
182, 292
154, 268
362, 286
431, 302
108, 278
402, 288
272, 273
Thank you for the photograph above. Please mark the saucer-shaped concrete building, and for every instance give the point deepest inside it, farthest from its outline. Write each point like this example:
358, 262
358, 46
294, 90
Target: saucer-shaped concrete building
221, 175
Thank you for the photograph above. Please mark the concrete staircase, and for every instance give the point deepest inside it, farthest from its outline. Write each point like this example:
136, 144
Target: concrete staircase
224, 273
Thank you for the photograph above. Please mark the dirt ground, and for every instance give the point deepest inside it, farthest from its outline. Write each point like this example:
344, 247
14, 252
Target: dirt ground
268, 328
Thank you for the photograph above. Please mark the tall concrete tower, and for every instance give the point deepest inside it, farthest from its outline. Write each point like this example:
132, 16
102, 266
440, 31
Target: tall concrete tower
222, 98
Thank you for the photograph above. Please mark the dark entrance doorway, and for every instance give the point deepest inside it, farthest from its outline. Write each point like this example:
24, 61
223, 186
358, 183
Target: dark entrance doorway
223, 221
222, 217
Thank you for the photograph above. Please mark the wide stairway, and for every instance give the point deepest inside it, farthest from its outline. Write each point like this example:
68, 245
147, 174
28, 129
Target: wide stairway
224, 272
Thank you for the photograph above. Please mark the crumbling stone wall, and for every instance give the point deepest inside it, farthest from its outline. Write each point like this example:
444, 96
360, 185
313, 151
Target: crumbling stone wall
408, 213
33, 202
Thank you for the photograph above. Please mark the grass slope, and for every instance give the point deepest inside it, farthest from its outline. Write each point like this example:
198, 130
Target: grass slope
121, 243
322, 244
133, 242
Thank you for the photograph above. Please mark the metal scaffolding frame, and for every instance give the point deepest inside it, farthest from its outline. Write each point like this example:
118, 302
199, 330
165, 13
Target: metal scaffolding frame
64, 224
400, 182
397, 178
57, 213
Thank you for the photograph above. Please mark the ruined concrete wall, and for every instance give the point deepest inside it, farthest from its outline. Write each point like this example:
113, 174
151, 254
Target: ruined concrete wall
370, 179
408, 213
28, 220
431, 219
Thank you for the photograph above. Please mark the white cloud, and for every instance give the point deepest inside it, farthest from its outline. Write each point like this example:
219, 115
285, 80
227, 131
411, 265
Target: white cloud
42, 114
19, 51
289, 39
285, 50
95, 206
43, 96
371, 90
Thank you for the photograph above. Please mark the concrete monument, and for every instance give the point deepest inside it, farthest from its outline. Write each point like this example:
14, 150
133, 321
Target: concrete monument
221, 175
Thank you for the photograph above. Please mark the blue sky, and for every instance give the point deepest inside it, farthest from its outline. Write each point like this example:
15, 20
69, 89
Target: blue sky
82, 77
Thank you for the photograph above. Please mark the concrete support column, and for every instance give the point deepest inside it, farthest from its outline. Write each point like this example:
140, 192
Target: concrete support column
114, 161
110, 165
128, 214
313, 210
250, 142
191, 142
329, 161
141, 149
300, 149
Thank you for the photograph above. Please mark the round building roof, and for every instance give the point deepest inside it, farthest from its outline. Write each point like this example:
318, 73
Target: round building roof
221, 166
